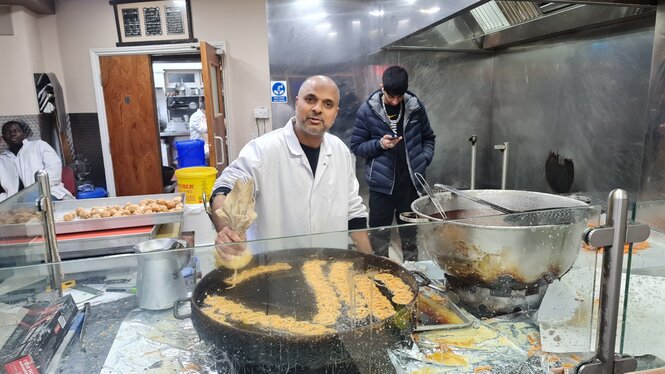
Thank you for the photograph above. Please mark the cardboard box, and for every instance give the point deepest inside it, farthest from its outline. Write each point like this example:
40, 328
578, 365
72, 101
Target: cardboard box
39, 334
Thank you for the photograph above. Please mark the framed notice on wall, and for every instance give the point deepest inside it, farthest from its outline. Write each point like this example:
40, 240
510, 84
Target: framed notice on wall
152, 22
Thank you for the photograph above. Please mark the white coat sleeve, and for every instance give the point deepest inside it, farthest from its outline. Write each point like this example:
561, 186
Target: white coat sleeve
52, 163
356, 207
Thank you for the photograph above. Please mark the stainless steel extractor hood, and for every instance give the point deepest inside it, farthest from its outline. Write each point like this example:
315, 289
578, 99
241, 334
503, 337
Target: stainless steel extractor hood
497, 24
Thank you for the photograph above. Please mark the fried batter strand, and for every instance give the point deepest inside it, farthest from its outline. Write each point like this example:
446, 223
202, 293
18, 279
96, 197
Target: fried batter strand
256, 271
379, 305
220, 309
327, 302
401, 292
341, 276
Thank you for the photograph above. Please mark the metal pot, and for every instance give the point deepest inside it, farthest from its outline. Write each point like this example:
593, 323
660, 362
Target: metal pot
159, 281
493, 248
353, 346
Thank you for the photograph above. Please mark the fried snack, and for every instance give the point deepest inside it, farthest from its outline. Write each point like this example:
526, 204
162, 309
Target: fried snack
401, 292
220, 309
327, 303
146, 206
341, 276
255, 272
378, 304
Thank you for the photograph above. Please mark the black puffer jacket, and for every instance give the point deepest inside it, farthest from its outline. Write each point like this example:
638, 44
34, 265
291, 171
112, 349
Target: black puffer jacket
372, 124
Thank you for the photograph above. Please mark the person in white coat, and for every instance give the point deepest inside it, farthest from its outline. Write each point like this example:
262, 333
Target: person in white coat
198, 127
24, 157
304, 179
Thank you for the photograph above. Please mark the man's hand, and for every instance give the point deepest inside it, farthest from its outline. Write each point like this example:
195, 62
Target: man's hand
389, 141
228, 251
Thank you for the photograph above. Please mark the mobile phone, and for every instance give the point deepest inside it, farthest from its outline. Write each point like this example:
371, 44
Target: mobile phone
394, 137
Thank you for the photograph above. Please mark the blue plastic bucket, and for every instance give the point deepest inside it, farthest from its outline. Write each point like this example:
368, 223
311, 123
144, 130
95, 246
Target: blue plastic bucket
190, 153
98, 192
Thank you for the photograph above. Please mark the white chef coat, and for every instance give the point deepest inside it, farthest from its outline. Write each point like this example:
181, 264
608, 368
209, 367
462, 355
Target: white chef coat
34, 155
289, 199
198, 128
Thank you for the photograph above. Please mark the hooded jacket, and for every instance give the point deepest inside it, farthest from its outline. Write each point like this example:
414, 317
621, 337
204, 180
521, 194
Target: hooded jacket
372, 124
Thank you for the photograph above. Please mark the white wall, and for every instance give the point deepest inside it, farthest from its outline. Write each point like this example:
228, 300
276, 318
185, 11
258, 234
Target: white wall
21, 58
62, 43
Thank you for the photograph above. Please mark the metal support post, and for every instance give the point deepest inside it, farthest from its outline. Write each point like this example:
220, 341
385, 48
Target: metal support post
504, 166
473, 139
612, 237
45, 206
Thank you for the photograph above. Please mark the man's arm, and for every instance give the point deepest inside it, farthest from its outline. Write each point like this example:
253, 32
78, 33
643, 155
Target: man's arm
428, 136
362, 143
361, 240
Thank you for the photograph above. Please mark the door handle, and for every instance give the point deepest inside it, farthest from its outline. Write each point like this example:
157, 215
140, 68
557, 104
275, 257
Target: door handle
221, 145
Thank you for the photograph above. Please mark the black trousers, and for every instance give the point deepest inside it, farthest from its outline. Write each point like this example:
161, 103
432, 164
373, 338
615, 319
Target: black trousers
382, 210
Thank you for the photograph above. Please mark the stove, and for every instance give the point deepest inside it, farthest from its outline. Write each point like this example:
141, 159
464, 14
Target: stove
503, 297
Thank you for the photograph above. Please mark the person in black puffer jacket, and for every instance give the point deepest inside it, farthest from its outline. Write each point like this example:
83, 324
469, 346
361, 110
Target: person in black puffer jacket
392, 133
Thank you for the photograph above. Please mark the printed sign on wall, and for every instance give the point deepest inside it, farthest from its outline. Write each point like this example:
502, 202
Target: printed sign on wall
278, 91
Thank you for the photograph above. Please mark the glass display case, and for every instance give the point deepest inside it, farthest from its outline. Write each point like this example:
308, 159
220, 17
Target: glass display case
642, 327
315, 302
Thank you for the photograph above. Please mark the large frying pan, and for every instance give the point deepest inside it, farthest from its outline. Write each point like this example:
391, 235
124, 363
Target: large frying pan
356, 346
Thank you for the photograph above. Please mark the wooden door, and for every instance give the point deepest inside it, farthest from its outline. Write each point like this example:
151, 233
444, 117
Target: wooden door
131, 114
213, 89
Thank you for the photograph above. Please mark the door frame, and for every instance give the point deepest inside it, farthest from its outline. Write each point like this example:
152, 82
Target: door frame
175, 49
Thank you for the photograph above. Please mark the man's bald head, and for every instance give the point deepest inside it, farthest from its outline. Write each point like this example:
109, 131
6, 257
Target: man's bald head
317, 105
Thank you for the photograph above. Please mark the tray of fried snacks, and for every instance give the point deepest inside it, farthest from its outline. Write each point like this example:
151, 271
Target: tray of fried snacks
117, 212
436, 311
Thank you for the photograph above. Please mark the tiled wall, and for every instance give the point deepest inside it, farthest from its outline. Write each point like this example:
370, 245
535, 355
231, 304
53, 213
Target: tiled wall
87, 142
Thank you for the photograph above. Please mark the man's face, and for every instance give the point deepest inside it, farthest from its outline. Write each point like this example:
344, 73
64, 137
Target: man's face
317, 105
13, 134
392, 100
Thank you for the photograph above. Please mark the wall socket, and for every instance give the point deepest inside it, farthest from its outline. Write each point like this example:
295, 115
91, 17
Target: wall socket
261, 113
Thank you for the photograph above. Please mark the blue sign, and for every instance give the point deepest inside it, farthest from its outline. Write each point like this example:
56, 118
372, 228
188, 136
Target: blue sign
278, 91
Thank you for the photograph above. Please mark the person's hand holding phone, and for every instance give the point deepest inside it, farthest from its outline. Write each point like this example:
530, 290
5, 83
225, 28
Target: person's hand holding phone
390, 141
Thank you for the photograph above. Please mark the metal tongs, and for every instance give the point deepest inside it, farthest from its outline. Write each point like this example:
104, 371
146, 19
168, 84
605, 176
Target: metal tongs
430, 194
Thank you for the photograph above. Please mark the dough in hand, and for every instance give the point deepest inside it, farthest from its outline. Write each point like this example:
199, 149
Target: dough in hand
236, 262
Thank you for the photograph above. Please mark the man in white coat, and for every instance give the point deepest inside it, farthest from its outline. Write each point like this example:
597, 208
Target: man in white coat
24, 157
198, 127
304, 179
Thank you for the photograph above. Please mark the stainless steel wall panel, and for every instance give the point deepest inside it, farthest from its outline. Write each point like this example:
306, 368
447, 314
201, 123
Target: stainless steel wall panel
584, 97
456, 90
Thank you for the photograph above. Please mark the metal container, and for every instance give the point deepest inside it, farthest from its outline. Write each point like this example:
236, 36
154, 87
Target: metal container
493, 249
159, 281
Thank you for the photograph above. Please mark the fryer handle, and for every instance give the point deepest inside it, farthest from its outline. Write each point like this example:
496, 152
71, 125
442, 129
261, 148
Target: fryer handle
421, 279
425, 281
176, 305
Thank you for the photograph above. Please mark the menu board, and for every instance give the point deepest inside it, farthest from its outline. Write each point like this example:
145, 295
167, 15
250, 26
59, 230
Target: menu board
153, 22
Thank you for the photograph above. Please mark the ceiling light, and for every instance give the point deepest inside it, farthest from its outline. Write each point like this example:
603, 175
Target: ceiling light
333, 33
431, 10
355, 22
377, 13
